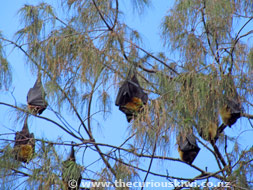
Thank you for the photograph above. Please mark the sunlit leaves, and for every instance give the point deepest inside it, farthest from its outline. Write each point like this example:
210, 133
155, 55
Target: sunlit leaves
202, 30
33, 18
139, 5
250, 59
5, 70
219, 18
105, 102
46, 172
89, 49
124, 173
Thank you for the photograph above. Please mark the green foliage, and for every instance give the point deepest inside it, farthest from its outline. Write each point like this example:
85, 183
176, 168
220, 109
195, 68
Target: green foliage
5, 70
250, 59
46, 172
7, 160
71, 170
242, 174
89, 49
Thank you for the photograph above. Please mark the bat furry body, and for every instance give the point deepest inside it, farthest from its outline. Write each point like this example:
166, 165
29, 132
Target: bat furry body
230, 116
188, 148
24, 147
131, 98
36, 98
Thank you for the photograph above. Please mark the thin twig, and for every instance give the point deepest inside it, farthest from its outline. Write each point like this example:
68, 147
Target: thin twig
151, 161
116, 16
102, 17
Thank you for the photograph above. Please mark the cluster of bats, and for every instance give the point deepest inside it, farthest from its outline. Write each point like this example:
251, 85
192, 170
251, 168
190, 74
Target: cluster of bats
131, 98
24, 140
24, 147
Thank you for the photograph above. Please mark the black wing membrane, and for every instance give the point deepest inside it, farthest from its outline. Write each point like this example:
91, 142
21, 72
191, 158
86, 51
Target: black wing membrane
24, 146
131, 98
36, 98
123, 95
188, 148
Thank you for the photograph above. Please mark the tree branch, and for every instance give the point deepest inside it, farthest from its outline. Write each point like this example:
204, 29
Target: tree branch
151, 161
102, 17
69, 100
237, 38
45, 118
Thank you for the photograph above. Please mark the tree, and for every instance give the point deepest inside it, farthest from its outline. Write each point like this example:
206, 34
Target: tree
87, 50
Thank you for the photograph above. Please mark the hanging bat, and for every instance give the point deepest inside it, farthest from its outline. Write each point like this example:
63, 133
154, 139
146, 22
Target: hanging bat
188, 148
24, 146
231, 112
131, 98
36, 98
71, 172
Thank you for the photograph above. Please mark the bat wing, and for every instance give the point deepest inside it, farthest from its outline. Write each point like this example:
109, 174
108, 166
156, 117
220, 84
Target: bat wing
188, 148
123, 94
136, 90
32, 140
191, 139
184, 146
24, 137
18, 139
189, 143
234, 105
144, 98
36, 95
130, 88
131, 97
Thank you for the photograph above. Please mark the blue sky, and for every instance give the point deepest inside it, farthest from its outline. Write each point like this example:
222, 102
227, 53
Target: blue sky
115, 129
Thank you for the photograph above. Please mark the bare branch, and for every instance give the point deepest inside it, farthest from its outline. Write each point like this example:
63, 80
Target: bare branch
102, 17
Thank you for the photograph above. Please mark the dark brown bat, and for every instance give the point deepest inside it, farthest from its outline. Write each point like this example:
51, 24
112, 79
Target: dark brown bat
188, 148
131, 98
231, 112
36, 98
71, 172
24, 146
